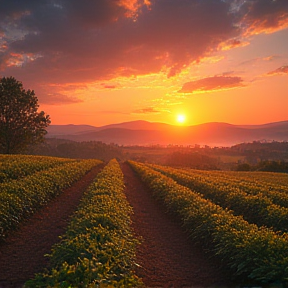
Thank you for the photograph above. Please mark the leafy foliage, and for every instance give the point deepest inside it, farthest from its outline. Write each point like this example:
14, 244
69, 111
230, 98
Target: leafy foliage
20, 123
17, 166
98, 249
247, 250
254, 201
22, 197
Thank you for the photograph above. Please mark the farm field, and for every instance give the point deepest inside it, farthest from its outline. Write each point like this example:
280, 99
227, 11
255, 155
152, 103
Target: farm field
139, 225
22, 197
261, 203
247, 250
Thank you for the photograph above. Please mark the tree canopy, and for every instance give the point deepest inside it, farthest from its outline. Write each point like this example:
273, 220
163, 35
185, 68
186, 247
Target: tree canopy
20, 122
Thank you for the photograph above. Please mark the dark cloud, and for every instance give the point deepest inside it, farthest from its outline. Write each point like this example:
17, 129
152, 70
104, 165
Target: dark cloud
93, 13
83, 12
184, 31
14, 8
4, 57
280, 70
81, 41
212, 83
163, 36
264, 15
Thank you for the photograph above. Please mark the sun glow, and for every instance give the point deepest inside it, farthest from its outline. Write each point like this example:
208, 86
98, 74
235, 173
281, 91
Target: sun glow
181, 118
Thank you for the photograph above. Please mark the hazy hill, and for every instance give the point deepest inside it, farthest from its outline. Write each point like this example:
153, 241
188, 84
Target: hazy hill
145, 133
72, 129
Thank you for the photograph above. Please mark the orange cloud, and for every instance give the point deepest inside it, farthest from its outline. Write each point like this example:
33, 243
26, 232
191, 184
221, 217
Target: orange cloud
147, 110
258, 27
271, 58
264, 16
233, 43
212, 84
133, 6
280, 70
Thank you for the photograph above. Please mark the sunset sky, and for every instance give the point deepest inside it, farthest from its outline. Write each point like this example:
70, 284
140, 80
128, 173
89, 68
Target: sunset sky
100, 62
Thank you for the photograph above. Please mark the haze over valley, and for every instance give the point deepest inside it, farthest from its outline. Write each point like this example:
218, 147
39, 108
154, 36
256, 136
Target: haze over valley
149, 133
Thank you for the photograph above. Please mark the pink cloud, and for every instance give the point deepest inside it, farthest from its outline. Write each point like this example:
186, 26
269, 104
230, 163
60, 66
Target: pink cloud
212, 83
233, 43
280, 70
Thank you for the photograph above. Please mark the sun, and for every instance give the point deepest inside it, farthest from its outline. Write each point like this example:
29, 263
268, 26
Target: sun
181, 118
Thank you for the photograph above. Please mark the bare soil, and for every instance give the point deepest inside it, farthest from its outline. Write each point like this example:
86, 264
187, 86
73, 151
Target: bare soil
167, 257
22, 254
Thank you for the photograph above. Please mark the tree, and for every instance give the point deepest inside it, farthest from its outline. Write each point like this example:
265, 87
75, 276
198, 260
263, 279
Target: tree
20, 123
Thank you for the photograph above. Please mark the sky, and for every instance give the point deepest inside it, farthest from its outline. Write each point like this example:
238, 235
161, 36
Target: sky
111, 61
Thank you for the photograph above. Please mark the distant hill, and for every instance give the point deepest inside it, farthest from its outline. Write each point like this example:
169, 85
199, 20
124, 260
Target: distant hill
146, 133
69, 129
72, 129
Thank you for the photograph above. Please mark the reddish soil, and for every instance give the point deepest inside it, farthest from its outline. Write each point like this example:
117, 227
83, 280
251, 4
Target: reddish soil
22, 254
167, 258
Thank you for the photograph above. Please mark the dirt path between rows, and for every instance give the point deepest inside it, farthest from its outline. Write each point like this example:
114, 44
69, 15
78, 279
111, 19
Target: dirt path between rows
22, 255
167, 258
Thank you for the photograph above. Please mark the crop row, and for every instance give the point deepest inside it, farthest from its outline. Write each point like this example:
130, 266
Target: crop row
98, 249
20, 198
247, 250
16, 166
255, 207
271, 178
276, 188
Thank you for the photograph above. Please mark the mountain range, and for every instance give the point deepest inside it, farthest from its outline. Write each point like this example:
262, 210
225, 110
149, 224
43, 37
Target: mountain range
153, 133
